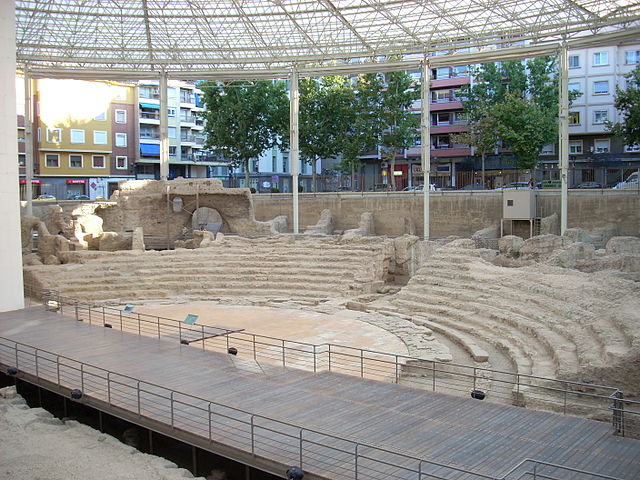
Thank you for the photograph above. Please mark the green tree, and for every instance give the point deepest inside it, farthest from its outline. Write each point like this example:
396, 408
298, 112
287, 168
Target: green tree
521, 99
326, 115
483, 135
364, 132
627, 101
243, 119
400, 125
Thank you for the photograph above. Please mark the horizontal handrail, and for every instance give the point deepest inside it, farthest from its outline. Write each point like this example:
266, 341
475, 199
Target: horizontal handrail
352, 360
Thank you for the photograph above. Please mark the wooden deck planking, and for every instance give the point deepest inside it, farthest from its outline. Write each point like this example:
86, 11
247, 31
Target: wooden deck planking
481, 436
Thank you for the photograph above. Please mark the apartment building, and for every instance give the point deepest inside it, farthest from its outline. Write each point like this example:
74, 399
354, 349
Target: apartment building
594, 154
82, 137
185, 131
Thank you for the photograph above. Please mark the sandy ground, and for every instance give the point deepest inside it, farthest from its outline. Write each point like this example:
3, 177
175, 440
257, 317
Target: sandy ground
34, 445
340, 328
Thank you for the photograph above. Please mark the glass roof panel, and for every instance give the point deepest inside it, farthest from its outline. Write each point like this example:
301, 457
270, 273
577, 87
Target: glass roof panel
147, 36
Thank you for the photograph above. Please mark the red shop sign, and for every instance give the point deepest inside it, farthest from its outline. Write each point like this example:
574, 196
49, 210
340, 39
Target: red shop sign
76, 181
35, 181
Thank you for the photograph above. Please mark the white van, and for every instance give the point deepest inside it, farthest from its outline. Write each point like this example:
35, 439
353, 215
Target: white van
630, 182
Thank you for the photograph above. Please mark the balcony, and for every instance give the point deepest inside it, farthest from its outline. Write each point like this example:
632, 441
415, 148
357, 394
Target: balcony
150, 115
196, 139
149, 135
187, 99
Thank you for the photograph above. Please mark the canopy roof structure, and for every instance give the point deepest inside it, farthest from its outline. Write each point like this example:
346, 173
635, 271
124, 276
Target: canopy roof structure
266, 38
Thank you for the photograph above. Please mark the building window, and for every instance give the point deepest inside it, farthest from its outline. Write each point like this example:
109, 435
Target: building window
98, 161
574, 61
285, 163
75, 161
601, 145
121, 139
121, 162
632, 148
121, 116
600, 117
99, 137
548, 150
172, 150
631, 57
600, 59
54, 135
171, 132
77, 136
171, 112
102, 116
575, 87
601, 87
575, 147
574, 118
52, 160
22, 160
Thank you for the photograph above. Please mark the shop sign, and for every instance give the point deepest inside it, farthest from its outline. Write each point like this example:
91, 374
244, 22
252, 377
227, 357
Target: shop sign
76, 181
34, 181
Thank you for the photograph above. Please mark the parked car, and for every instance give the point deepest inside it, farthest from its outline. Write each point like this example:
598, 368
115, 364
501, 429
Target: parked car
45, 198
420, 188
474, 186
79, 197
588, 185
516, 185
630, 182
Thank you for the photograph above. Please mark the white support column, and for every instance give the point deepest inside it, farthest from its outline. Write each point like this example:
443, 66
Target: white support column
164, 128
425, 145
28, 139
11, 293
294, 107
563, 134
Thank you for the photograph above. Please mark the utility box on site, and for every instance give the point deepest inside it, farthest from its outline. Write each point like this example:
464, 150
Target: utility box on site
518, 210
518, 204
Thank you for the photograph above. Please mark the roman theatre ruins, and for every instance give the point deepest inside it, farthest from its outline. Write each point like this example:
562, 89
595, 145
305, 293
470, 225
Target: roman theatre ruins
549, 307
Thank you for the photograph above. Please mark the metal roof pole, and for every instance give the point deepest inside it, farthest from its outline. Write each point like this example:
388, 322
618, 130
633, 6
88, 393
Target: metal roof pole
563, 134
164, 127
425, 144
294, 110
28, 140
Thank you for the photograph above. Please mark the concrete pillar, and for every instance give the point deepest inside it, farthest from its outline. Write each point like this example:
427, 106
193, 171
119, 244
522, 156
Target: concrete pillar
425, 143
28, 140
164, 127
11, 292
293, 133
563, 134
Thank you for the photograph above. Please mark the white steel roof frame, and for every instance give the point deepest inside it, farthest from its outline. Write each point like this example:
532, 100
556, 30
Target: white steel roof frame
233, 39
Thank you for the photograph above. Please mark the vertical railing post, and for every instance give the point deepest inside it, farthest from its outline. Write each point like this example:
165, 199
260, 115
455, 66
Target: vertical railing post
172, 426
58, 369
254, 347
180, 332
564, 408
433, 373
397, 366
109, 388
104, 319
138, 394
284, 361
139, 326
120, 312
314, 359
159, 327
82, 377
37, 376
253, 446
355, 462
301, 449
76, 309
89, 313
420, 470
329, 351
475, 372
15, 347
361, 363
209, 412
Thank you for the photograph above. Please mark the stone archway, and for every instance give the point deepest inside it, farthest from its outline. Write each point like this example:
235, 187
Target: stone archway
206, 218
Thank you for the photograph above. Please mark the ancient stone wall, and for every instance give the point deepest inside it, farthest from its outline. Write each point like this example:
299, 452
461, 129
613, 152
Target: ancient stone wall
453, 213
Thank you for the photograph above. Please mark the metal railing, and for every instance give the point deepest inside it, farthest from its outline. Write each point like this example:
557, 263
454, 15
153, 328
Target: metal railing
324, 454
560, 396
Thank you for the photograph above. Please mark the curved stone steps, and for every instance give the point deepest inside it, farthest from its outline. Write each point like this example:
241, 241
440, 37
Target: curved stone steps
530, 321
522, 351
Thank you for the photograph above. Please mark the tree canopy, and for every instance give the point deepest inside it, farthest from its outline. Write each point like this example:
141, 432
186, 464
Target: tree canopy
521, 98
243, 119
627, 101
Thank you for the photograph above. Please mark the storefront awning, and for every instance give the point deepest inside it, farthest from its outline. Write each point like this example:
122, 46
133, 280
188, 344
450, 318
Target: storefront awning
150, 105
150, 149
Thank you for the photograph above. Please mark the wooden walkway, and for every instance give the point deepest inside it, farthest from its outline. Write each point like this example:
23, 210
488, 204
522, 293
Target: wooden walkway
276, 415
